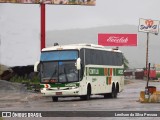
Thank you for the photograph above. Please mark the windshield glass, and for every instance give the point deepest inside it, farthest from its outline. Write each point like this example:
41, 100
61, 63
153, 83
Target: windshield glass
59, 66
58, 72
59, 55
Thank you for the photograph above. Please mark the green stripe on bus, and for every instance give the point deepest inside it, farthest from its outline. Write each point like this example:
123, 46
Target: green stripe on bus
96, 71
119, 72
41, 86
108, 71
92, 71
107, 80
114, 71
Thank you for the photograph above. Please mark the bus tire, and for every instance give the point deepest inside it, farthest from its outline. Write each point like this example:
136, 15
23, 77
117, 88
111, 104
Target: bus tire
55, 99
114, 92
87, 97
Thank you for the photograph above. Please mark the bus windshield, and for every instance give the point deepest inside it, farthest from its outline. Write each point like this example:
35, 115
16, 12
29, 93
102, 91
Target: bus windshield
59, 67
59, 55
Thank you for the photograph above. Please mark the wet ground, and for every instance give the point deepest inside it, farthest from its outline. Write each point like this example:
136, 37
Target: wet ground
22, 100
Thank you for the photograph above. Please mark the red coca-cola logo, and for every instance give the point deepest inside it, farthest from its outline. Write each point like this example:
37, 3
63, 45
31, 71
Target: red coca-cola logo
115, 39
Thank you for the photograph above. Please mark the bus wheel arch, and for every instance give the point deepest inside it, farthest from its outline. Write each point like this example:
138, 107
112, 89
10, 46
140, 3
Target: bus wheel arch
89, 91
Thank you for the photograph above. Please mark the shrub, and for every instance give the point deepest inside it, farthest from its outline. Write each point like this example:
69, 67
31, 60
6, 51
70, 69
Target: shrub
158, 75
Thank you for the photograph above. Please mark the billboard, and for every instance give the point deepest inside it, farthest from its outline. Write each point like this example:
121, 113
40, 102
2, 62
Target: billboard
117, 39
148, 25
63, 2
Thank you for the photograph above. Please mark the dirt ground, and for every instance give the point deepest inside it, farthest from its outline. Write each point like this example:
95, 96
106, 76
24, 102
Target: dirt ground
15, 97
15, 94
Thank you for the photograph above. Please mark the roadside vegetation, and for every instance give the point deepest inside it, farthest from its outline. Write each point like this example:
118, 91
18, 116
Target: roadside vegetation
25, 79
32, 83
1, 118
31, 80
158, 75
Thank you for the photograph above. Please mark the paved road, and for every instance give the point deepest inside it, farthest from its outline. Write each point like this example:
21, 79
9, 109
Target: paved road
126, 101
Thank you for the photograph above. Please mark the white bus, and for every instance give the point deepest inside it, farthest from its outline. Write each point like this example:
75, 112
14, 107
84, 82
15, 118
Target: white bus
80, 70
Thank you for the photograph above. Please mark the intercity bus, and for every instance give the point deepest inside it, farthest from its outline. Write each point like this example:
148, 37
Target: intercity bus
80, 70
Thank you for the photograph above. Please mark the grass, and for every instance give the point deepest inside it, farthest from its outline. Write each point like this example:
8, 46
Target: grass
158, 75
1, 118
28, 82
34, 81
25, 79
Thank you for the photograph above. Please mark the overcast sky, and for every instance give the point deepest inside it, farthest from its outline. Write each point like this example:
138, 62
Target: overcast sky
106, 12
20, 24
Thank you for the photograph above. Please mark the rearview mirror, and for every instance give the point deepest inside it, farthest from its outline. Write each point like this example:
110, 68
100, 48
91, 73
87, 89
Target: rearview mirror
36, 66
78, 64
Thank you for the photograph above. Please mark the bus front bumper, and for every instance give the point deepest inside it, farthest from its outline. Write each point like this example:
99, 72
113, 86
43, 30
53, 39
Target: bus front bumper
60, 93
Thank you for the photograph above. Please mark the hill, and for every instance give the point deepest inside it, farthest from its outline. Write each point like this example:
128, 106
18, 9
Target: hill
135, 55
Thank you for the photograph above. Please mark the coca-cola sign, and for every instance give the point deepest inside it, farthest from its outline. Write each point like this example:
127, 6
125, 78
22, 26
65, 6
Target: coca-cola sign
117, 39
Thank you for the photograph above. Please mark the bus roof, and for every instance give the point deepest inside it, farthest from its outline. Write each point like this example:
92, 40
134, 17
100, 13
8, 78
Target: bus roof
78, 46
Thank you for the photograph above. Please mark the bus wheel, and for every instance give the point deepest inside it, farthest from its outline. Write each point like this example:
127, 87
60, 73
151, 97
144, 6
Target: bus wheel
114, 92
55, 99
87, 97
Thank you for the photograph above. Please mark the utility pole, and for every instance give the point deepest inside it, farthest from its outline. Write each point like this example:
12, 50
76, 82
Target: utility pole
43, 30
147, 48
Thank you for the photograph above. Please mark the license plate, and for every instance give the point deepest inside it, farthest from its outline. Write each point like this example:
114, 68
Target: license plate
58, 93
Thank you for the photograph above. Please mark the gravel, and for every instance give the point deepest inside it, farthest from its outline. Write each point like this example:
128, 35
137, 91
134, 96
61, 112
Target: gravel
15, 94
6, 86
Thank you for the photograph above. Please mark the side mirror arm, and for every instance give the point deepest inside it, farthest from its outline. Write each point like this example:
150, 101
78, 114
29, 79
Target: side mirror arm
36, 66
